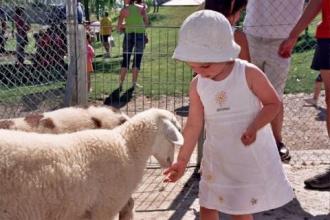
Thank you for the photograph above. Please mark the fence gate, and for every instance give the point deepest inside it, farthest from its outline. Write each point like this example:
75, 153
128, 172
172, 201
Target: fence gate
34, 59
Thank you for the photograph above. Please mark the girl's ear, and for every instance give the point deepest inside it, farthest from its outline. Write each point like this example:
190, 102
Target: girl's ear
231, 19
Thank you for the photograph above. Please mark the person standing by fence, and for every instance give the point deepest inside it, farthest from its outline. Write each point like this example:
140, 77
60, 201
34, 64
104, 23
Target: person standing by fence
132, 21
241, 169
321, 62
22, 28
105, 33
232, 10
267, 23
90, 59
3, 29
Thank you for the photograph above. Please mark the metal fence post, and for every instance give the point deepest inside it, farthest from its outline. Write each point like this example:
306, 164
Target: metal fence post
72, 27
82, 93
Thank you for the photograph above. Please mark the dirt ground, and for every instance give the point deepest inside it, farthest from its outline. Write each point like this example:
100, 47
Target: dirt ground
304, 132
304, 125
155, 200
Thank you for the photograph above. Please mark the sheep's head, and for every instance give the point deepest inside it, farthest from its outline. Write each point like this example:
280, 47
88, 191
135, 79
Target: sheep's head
168, 136
107, 117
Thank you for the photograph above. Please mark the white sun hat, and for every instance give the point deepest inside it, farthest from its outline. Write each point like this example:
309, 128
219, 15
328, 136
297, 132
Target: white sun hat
206, 36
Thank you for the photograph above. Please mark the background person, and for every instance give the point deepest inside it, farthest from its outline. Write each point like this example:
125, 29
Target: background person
232, 10
316, 92
132, 21
90, 59
267, 23
105, 33
3, 29
22, 28
321, 62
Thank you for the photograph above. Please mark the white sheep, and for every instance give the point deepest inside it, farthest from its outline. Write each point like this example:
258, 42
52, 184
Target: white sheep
89, 174
67, 120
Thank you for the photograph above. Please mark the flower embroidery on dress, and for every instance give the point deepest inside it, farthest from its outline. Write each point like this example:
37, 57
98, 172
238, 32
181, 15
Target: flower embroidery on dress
209, 177
254, 201
221, 98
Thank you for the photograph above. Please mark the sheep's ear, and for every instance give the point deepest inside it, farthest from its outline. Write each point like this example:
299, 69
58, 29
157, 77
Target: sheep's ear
172, 133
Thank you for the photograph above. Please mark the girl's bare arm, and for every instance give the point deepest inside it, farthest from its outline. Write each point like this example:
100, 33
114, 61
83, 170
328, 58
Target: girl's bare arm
194, 124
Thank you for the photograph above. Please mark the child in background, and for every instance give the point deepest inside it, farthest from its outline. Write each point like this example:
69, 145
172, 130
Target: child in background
317, 90
241, 169
42, 43
105, 33
231, 9
90, 59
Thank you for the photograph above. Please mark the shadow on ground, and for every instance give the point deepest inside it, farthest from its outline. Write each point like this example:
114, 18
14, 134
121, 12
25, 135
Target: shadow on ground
183, 111
322, 114
182, 203
116, 100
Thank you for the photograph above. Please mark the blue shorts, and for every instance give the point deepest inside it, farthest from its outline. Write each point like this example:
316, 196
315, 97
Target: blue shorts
105, 38
321, 58
136, 41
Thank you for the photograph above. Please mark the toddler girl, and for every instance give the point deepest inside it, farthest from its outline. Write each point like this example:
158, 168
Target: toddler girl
242, 172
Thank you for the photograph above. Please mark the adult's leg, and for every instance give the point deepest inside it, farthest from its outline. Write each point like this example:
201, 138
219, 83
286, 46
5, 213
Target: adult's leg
322, 180
128, 44
2, 41
208, 214
264, 55
106, 45
326, 79
321, 62
276, 69
139, 48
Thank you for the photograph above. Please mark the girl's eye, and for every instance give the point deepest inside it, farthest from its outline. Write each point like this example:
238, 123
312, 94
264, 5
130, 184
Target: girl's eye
205, 66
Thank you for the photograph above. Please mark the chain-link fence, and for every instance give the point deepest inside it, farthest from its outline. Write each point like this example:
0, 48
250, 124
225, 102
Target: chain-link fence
33, 47
36, 78
165, 82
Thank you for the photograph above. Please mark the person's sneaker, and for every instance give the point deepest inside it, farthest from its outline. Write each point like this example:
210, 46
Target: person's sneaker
320, 181
284, 152
137, 86
311, 101
107, 55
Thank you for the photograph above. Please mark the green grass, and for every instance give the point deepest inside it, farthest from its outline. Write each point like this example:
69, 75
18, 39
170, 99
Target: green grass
14, 94
160, 74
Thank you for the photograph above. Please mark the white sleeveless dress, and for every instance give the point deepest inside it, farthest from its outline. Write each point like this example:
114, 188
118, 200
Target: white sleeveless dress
238, 179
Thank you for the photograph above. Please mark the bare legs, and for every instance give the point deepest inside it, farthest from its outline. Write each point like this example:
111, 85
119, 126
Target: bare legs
211, 214
107, 48
123, 72
326, 79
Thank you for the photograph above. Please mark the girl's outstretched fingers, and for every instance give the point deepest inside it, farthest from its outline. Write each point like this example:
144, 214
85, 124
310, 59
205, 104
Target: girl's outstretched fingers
171, 175
174, 172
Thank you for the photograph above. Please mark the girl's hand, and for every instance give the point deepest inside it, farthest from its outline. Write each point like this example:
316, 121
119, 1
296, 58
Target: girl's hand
174, 172
249, 136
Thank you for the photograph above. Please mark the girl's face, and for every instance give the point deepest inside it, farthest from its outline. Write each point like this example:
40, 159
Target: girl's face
207, 70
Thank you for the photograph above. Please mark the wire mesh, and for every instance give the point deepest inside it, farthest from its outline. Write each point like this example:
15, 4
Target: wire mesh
33, 54
38, 83
165, 82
